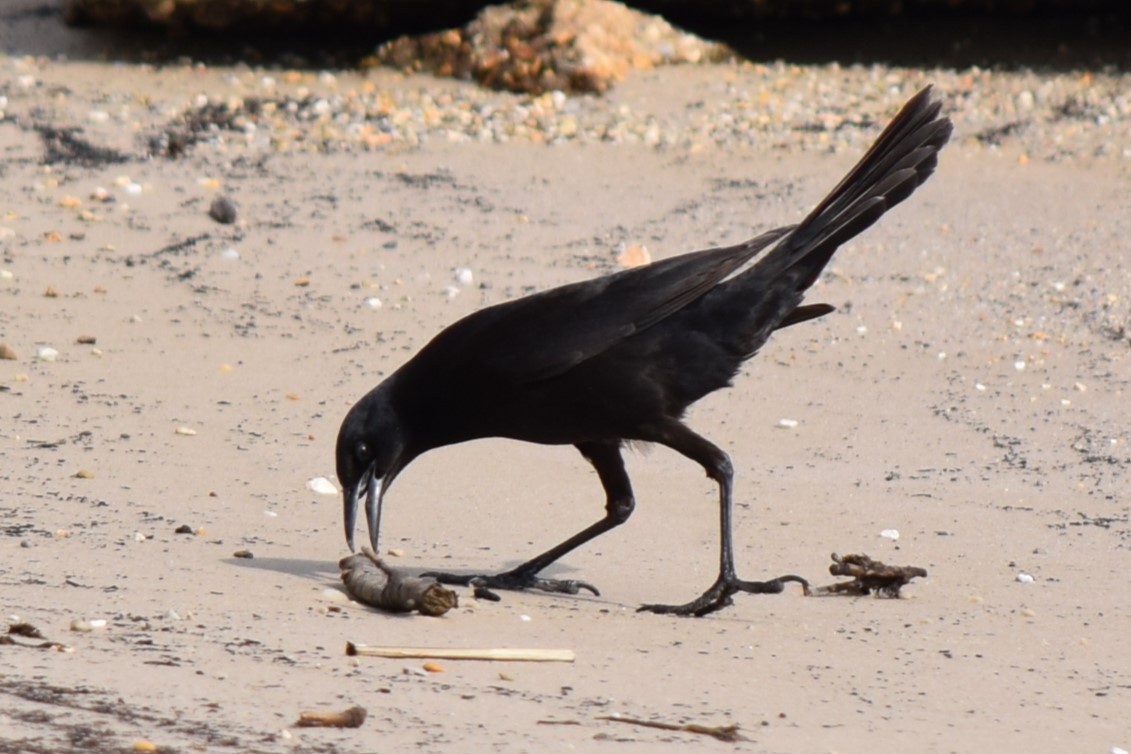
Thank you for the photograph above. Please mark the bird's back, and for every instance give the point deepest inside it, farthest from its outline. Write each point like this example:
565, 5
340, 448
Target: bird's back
594, 360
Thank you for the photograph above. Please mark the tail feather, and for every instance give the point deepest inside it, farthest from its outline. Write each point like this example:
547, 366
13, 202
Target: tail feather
912, 139
766, 296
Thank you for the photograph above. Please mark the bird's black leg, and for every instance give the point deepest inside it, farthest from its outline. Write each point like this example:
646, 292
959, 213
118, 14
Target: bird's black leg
718, 466
607, 461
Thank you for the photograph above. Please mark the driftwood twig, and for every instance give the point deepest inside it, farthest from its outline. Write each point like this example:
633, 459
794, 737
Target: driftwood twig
868, 576
370, 580
428, 653
721, 732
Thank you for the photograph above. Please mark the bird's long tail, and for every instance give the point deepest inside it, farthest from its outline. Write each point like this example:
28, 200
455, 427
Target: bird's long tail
767, 296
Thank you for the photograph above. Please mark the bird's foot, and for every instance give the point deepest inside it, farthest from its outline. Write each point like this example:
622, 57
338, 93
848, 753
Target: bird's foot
516, 580
721, 592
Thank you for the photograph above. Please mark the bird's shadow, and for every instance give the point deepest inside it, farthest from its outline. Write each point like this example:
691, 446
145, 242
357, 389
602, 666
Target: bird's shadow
327, 573
304, 568
321, 570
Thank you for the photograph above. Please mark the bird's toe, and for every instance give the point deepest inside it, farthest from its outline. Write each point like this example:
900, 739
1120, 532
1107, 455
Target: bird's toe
721, 594
513, 581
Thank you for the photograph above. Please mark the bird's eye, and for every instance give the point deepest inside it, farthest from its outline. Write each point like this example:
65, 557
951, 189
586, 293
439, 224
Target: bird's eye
362, 451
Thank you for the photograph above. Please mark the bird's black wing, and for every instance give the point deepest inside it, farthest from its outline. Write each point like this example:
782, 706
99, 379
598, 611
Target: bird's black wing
544, 334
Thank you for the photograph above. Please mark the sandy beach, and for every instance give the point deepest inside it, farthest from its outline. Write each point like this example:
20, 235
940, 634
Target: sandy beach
970, 392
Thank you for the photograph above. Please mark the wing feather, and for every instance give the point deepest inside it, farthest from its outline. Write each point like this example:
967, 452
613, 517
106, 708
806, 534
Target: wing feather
541, 336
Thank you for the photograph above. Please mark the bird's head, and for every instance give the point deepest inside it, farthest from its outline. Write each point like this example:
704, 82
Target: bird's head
370, 453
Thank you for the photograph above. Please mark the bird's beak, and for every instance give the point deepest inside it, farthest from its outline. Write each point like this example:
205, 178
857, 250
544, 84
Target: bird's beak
350, 497
350, 494
374, 494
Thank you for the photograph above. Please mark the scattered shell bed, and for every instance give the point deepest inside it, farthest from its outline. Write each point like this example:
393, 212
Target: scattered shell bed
777, 105
1039, 116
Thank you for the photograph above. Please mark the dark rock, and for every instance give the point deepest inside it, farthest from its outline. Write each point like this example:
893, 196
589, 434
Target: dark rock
222, 210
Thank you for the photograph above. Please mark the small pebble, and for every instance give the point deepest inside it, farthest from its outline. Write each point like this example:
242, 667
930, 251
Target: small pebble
222, 210
373, 303
84, 626
335, 595
188, 431
464, 276
787, 423
633, 255
46, 353
229, 254
1024, 578
892, 534
244, 554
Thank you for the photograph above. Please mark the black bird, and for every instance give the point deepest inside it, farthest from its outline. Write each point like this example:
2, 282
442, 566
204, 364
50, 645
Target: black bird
600, 363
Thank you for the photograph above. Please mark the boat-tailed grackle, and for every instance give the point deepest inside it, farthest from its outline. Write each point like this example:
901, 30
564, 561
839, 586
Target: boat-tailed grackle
620, 358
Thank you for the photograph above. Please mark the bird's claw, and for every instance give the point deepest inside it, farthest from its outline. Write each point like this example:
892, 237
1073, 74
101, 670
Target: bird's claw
512, 581
721, 593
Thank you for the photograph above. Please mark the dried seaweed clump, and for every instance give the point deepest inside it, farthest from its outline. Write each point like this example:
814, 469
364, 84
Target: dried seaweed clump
868, 577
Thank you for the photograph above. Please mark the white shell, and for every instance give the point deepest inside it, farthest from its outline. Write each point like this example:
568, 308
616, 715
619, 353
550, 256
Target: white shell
464, 276
322, 486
